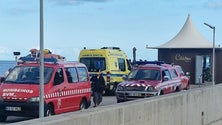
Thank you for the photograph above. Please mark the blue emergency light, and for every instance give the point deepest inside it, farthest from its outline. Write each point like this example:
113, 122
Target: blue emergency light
32, 59
148, 62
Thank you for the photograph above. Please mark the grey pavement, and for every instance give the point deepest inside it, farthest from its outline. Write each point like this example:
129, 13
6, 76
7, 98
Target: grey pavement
198, 85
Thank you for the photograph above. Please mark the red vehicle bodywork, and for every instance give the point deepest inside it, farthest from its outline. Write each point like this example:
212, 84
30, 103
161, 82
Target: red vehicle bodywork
185, 85
21, 97
148, 80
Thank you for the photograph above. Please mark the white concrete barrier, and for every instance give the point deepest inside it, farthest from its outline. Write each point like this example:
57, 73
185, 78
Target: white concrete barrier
201, 106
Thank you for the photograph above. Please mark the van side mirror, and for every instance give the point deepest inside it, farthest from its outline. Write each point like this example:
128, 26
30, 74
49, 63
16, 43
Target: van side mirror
188, 74
166, 78
124, 77
181, 74
2, 79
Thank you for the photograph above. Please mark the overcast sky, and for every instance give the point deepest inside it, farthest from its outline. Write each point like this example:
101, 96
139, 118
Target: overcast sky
71, 25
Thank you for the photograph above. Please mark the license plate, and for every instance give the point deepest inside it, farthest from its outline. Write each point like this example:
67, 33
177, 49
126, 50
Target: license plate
148, 95
134, 94
10, 108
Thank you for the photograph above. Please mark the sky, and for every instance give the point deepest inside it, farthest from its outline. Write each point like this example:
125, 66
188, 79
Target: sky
71, 25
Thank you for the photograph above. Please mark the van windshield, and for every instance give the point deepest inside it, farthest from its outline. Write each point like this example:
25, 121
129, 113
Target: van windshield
94, 64
28, 75
144, 74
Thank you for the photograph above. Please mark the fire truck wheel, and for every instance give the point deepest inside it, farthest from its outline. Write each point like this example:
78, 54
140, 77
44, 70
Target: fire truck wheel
160, 93
83, 104
3, 118
177, 89
49, 110
119, 101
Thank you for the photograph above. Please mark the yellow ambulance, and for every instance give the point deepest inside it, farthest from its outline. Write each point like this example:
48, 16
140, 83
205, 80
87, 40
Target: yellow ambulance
112, 61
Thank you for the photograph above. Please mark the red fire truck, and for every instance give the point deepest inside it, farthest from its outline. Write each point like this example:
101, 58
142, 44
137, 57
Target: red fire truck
66, 88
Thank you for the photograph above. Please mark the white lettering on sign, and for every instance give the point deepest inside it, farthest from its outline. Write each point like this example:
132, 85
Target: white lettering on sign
179, 57
17, 90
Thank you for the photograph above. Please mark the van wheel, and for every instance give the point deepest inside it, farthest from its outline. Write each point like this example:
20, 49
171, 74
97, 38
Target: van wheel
3, 118
177, 89
82, 105
119, 101
49, 111
161, 93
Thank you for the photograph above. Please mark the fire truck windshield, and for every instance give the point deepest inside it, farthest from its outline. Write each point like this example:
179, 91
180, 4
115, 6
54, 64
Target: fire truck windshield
27, 75
144, 74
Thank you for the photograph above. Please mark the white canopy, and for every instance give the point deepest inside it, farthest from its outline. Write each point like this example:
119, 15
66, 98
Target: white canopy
188, 37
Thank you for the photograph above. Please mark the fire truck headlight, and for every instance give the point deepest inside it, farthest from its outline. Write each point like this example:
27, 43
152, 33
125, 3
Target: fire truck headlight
150, 89
120, 88
34, 99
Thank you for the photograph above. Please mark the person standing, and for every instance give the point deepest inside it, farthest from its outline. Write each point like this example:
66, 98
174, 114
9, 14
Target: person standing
98, 88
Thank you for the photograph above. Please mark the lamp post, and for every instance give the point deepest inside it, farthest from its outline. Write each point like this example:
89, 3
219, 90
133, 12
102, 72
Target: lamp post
41, 74
213, 62
16, 54
134, 54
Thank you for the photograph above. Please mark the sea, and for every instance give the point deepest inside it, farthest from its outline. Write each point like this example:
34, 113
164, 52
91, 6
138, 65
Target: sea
5, 65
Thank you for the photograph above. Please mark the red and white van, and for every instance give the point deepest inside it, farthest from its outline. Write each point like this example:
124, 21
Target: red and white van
66, 88
148, 80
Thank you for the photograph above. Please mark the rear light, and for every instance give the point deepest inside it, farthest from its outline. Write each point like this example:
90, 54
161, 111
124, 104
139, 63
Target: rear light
108, 77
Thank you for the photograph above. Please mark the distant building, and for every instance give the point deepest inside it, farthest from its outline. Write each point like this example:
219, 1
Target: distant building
193, 52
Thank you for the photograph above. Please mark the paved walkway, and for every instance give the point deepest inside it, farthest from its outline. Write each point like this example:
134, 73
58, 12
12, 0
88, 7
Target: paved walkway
200, 85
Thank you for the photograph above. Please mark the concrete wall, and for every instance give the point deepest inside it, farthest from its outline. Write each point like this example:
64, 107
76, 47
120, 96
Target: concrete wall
201, 106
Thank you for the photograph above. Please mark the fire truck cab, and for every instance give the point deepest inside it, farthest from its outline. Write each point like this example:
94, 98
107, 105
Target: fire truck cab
67, 88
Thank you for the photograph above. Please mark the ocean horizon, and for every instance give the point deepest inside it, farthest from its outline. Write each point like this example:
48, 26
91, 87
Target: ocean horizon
5, 65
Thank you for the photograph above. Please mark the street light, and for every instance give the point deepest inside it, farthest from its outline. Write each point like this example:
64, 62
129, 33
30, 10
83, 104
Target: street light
16, 54
41, 74
213, 62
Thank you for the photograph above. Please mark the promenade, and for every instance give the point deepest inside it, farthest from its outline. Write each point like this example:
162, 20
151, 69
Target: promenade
192, 86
